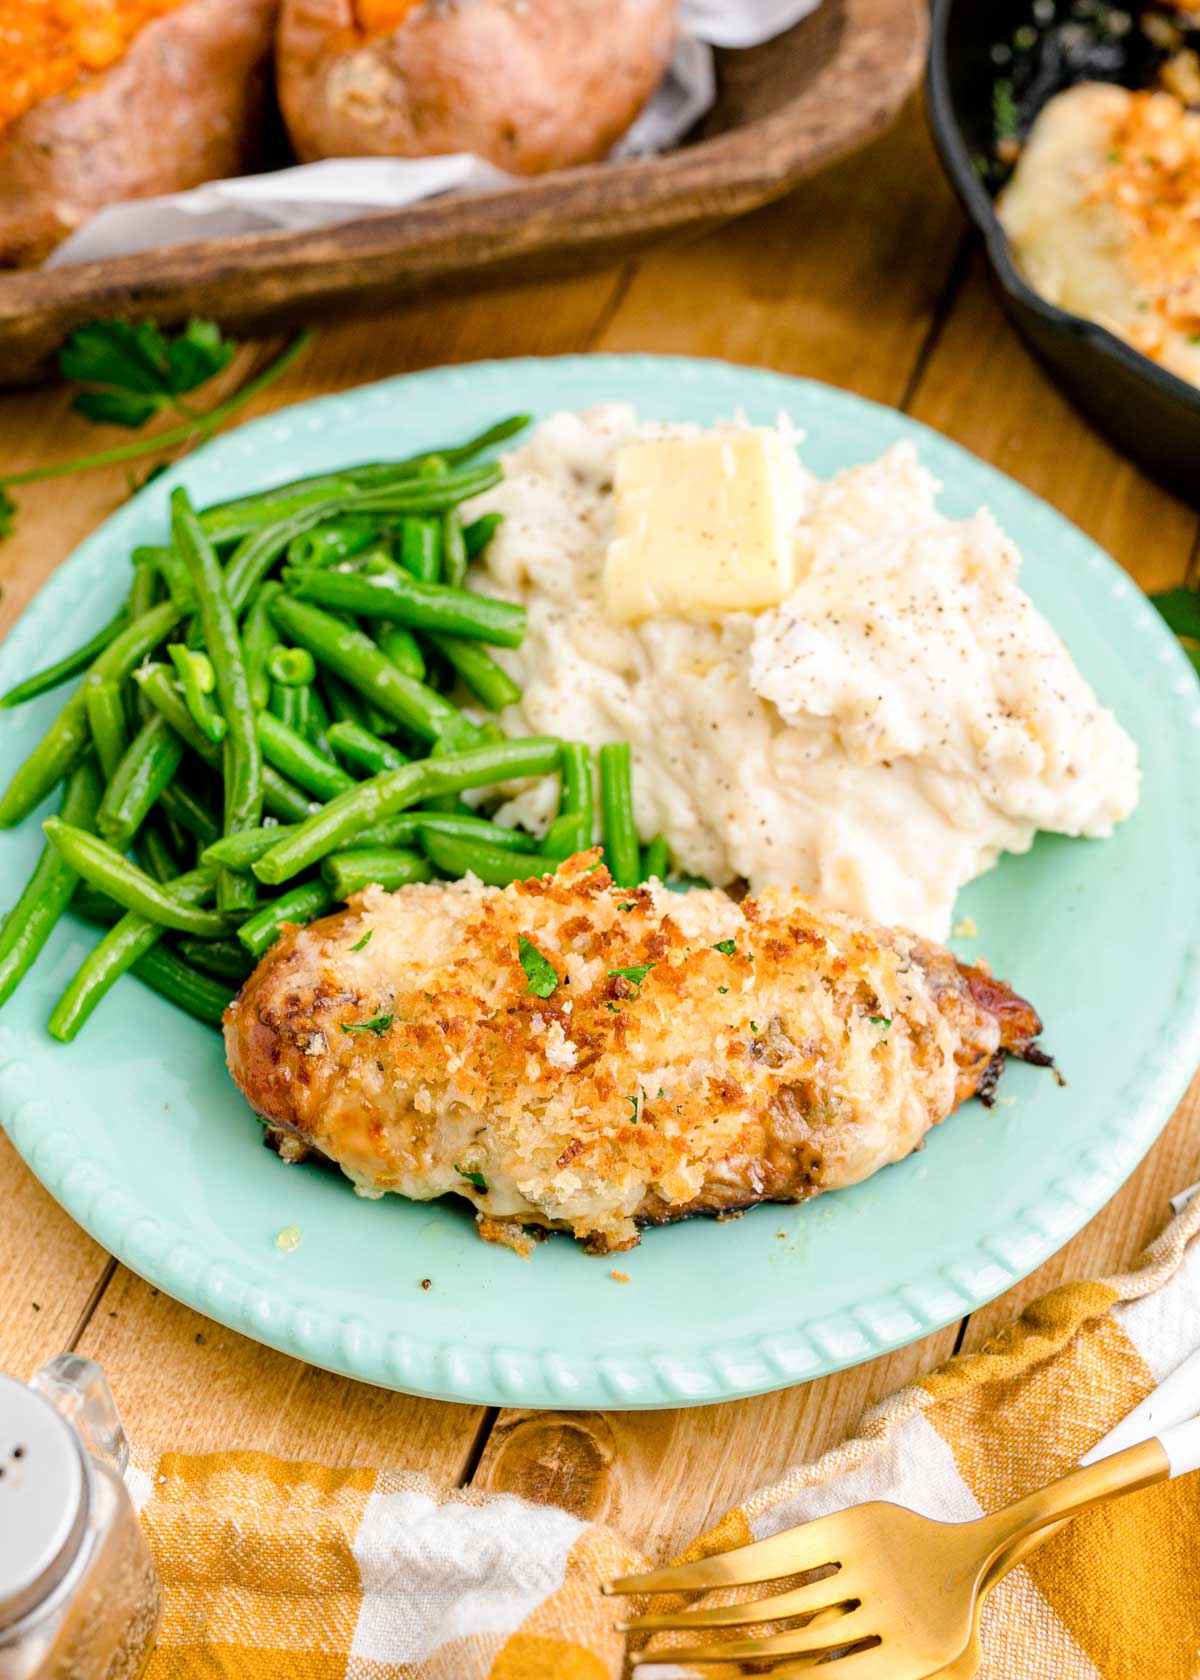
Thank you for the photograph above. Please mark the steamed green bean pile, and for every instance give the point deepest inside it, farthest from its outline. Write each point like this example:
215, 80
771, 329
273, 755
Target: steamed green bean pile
275, 720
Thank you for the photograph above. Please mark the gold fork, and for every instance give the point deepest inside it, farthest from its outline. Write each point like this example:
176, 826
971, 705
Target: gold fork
902, 1603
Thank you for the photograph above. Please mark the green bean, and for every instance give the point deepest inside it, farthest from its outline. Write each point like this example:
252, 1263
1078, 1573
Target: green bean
499, 433
454, 549
616, 801
290, 753
487, 680
425, 606
402, 648
350, 872
258, 638
655, 860
104, 703
495, 866
344, 703
229, 520
479, 533
339, 824
156, 854
163, 559
353, 656
64, 669
236, 520
362, 750
176, 837
284, 703
258, 552
148, 766
283, 799
339, 539
239, 851
156, 684
68, 736
420, 541
311, 899
572, 829
314, 720
292, 667
298, 709
242, 760
200, 996
186, 809
227, 959
94, 906
197, 681
46, 894
120, 948
143, 592
105, 869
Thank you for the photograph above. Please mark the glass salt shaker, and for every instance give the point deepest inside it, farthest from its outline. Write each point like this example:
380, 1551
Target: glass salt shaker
79, 1597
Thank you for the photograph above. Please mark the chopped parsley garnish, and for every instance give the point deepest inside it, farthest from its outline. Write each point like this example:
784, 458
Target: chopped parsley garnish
626, 906
880, 1020
540, 972
477, 1179
612, 1008
378, 1025
722, 990
364, 941
633, 1103
726, 947
754, 1026
635, 974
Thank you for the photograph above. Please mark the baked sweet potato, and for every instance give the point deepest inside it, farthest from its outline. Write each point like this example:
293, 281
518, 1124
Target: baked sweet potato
529, 84
105, 100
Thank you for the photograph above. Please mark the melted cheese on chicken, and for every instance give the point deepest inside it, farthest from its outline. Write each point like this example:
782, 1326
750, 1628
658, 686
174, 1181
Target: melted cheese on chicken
693, 1055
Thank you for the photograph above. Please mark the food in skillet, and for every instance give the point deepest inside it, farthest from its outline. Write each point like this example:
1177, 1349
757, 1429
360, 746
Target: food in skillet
106, 100
532, 86
1103, 216
577, 1056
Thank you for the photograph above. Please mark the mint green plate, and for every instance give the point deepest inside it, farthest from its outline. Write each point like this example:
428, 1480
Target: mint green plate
140, 1134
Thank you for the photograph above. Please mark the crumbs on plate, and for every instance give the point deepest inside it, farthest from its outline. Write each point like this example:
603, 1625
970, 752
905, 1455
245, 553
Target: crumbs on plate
619, 1277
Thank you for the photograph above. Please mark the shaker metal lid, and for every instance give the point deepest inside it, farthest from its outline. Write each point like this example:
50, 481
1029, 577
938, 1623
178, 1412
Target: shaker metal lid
43, 1499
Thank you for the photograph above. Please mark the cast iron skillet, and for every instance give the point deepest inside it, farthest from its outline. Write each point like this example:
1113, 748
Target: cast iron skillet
1146, 412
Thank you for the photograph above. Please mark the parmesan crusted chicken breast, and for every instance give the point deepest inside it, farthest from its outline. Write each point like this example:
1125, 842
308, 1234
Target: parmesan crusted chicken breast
573, 1055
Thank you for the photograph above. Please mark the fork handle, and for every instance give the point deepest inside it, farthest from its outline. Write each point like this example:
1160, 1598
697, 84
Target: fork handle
1173, 1453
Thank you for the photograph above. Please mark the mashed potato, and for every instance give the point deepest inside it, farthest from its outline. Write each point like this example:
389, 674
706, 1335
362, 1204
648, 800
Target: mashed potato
879, 739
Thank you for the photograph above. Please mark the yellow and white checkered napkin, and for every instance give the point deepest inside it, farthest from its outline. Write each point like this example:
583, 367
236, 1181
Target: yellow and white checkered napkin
275, 1568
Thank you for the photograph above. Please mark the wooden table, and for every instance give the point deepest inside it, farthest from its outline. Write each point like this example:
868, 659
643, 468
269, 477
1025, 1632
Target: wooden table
865, 278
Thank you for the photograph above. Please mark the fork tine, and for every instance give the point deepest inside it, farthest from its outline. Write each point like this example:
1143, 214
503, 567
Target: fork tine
854, 1625
833, 1592
793, 1552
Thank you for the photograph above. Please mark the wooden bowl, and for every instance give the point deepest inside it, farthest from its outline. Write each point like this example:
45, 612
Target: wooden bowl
783, 109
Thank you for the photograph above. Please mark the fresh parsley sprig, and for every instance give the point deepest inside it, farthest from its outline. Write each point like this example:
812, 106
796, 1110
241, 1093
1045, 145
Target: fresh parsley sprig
131, 370
131, 373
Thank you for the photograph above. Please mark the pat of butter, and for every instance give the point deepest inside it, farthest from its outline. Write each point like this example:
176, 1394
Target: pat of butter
704, 525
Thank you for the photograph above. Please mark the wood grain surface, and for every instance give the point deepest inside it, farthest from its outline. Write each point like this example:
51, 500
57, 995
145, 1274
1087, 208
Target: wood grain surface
864, 277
